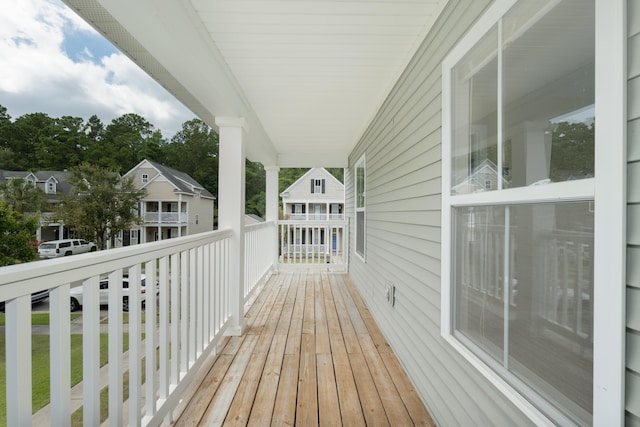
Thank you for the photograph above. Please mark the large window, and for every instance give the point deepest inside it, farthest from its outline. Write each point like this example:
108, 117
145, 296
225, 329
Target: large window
360, 204
519, 199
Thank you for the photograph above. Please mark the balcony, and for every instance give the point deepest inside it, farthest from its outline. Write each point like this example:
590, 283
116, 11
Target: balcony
165, 217
316, 217
309, 345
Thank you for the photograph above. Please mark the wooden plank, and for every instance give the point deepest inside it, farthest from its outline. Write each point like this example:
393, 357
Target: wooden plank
266, 396
307, 406
295, 329
284, 410
322, 330
287, 309
309, 322
412, 402
352, 309
217, 411
193, 412
255, 325
240, 408
391, 400
328, 403
350, 337
269, 328
372, 408
333, 323
350, 408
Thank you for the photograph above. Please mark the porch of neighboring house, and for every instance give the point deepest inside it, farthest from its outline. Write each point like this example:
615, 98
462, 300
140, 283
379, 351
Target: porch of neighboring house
311, 355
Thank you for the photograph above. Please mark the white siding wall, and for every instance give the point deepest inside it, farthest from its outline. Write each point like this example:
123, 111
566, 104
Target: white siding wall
633, 237
403, 208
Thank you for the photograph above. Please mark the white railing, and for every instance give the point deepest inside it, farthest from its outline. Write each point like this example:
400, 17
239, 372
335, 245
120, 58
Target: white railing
316, 217
258, 249
191, 315
313, 243
163, 217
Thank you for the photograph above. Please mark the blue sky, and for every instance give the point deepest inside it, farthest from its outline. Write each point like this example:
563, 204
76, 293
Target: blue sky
51, 61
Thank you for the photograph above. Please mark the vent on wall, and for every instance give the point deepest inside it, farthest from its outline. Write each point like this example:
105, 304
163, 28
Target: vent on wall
390, 293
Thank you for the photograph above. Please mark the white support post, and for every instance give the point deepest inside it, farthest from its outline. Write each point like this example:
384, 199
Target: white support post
272, 209
231, 209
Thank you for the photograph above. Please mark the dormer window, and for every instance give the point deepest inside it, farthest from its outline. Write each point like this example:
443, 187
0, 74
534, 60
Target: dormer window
317, 186
50, 187
145, 178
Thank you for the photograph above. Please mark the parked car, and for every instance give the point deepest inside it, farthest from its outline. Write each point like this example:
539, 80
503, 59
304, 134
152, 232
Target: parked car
58, 248
78, 292
36, 297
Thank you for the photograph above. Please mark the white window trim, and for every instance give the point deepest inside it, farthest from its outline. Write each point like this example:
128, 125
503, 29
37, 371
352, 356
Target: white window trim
363, 256
609, 192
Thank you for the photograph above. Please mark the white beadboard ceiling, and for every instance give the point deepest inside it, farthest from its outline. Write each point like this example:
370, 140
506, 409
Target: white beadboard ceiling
306, 75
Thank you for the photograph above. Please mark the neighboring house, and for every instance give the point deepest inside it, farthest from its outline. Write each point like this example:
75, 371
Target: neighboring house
53, 184
484, 177
316, 195
174, 205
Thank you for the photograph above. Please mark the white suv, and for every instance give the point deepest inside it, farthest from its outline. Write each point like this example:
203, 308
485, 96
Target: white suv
58, 248
77, 293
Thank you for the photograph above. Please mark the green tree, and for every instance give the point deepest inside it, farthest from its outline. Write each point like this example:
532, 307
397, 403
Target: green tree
63, 144
16, 235
255, 182
22, 196
20, 146
102, 205
572, 151
194, 151
126, 141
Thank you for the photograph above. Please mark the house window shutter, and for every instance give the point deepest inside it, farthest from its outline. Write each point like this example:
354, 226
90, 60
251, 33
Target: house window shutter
312, 185
323, 186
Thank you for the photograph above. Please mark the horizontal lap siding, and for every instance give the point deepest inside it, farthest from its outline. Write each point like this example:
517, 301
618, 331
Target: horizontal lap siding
403, 214
633, 218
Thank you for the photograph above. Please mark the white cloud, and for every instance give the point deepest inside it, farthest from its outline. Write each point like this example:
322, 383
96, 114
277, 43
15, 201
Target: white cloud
37, 74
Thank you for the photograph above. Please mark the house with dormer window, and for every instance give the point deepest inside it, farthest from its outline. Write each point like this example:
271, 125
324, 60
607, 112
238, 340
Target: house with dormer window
53, 184
175, 205
316, 195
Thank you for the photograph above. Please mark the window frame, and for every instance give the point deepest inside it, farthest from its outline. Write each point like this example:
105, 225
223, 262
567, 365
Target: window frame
608, 189
361, 163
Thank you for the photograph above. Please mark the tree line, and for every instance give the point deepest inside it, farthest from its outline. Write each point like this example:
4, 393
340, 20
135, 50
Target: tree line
37, 141
99, 154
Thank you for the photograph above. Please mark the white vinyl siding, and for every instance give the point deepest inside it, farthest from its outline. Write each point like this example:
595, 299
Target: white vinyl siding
403, 154
633, 219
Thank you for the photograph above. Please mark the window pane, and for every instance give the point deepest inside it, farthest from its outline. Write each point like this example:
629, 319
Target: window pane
360, 187
478, 266
475, 103
547, 251
551, 317
548, 92
360, 233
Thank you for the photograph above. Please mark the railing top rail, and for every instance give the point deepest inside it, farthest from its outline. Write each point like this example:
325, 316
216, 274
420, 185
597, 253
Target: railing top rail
314, 223
21, 279
265, 224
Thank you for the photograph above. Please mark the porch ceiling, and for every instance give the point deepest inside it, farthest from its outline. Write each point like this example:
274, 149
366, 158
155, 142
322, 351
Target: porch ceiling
307, 75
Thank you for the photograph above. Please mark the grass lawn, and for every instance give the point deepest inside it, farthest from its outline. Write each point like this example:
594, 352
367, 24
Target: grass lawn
40, 367
38, 318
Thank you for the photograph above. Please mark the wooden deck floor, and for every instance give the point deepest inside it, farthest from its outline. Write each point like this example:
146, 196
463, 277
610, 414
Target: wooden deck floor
311, 355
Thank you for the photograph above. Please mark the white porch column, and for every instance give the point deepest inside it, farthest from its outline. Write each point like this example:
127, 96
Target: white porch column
272, 173
231, 208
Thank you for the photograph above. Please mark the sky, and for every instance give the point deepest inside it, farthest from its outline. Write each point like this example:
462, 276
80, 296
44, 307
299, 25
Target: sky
53, 62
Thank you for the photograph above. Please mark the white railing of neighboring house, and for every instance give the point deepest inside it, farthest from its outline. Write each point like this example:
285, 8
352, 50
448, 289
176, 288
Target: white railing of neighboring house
190, 318
258, 250
316, 217
165, 217
313, 244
